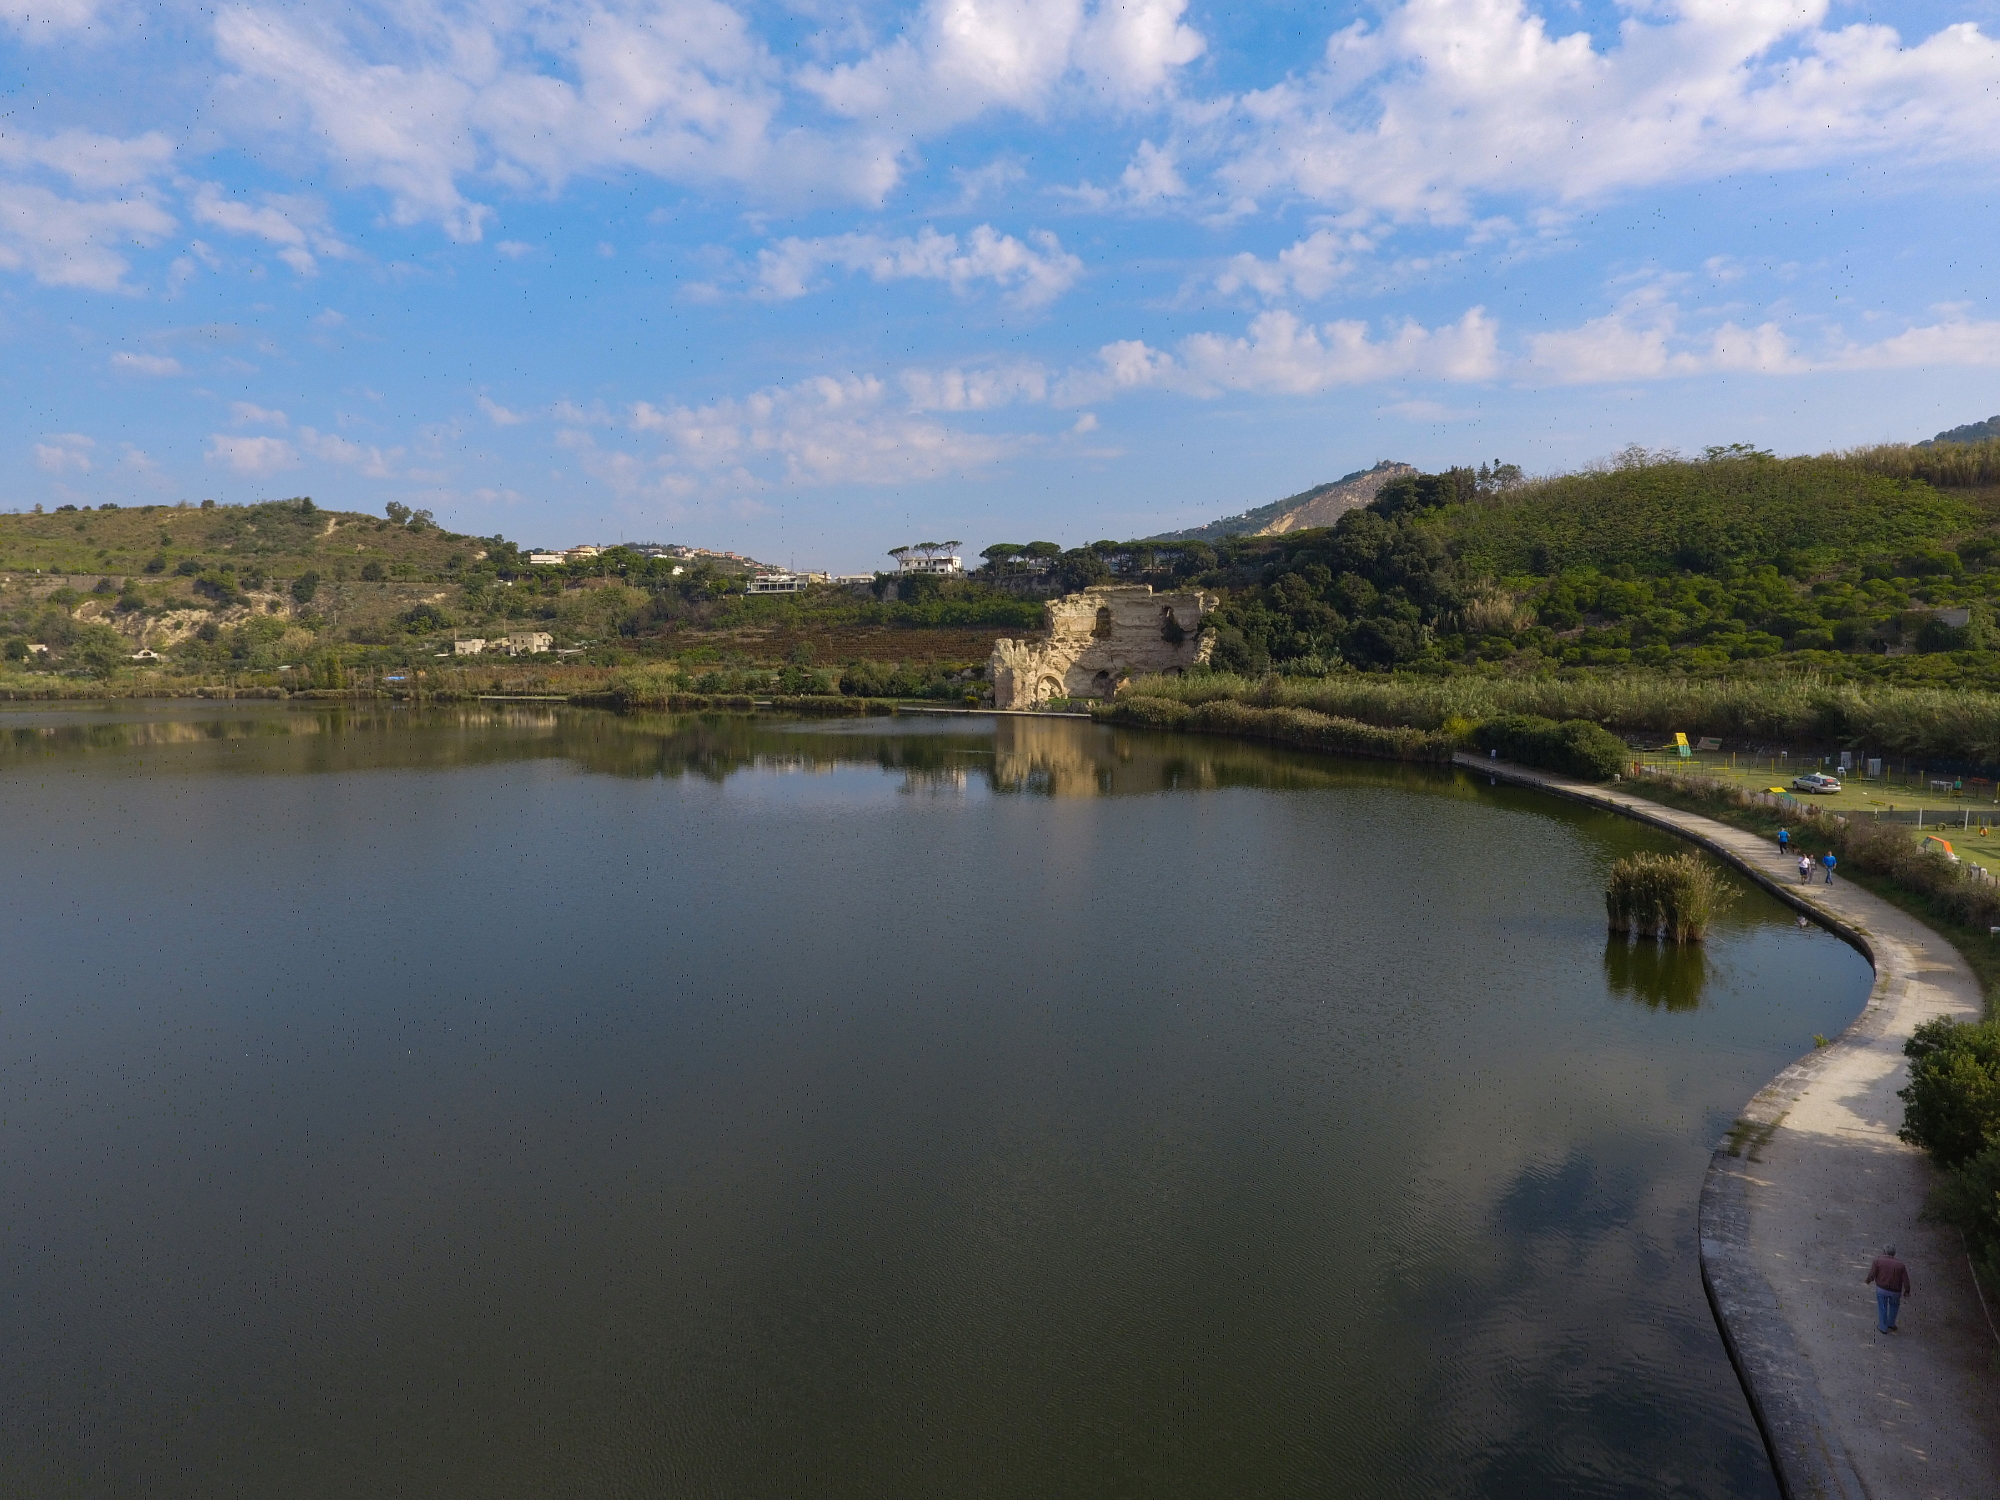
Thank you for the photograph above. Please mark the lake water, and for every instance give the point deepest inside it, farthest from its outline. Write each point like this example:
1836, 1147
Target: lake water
521, 1101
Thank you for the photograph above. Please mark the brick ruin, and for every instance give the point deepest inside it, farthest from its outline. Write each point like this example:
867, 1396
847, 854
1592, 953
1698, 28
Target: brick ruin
1097, 638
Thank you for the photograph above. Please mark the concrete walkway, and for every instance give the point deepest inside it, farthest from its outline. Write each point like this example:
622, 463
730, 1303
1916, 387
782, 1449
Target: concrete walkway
1808, 1186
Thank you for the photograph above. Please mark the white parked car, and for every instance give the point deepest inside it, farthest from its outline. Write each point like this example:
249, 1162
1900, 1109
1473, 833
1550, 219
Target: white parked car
1816, 781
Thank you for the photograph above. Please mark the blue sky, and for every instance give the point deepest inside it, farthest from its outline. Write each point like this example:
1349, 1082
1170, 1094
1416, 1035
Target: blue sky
809, 280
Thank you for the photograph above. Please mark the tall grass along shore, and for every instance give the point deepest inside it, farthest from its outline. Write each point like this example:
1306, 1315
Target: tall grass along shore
1936, 723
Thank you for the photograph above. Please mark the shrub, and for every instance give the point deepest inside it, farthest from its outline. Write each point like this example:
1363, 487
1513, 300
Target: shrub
1951, 1106
1576, 748
372, 572
305, 586
649, 685
1968, 1200
1672, 896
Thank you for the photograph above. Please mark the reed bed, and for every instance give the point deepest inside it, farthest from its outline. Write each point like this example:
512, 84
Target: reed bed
1890, 721
1674, 897
1290, 726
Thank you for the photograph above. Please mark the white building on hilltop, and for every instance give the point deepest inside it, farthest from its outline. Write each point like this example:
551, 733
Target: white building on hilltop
928, 557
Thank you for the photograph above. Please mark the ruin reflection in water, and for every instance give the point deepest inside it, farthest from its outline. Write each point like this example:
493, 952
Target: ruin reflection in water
510, 1100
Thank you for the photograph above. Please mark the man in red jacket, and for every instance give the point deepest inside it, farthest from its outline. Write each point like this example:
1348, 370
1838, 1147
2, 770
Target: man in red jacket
1891, 1280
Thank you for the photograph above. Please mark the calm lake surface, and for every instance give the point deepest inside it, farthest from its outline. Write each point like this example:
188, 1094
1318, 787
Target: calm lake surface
524, 1102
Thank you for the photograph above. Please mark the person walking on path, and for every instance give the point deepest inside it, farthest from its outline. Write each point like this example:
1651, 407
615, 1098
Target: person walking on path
1829, 861
1805, 869
1784, 841
1891, 1280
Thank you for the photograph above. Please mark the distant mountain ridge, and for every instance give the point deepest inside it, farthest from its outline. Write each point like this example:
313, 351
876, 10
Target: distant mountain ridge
1971, 432
1321, 505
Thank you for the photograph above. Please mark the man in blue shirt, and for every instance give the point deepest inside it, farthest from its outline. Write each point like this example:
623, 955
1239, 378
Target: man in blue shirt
1829, 861
1784, 841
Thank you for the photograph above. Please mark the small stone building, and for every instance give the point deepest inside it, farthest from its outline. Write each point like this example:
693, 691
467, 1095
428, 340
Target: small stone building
1097, 638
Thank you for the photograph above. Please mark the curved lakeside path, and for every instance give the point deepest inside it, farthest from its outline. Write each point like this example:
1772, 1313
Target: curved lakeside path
1809, 1184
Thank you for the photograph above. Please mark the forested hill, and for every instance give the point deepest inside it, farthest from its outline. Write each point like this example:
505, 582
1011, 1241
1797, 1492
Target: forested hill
1971, 432
1884, 562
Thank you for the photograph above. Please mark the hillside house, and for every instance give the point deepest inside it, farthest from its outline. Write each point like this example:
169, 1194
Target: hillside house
529, 643
468, 648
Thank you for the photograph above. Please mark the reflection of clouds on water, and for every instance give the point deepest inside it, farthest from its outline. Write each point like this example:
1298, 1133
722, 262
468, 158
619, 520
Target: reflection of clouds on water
1585, 1328
1665, 976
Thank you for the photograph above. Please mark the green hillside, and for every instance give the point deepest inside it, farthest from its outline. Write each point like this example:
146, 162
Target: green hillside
283, 538
1876, 563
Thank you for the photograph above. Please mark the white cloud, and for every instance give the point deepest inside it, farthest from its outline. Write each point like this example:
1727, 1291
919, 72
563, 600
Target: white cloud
249, 414
1643, 339
1032, 274
370, 462
514, 249
1151, 176
1310, 268
92, 162
1283, 355
295, 224
43, 20
69, 242
66, 453
145, 364
1449, 100
975, 390
498, 414
256, 457
424, 102
964, 57
676, 88
821, 431
63, 239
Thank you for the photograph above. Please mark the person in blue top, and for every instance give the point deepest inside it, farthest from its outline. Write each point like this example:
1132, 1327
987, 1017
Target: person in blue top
1829, 861
1784, 841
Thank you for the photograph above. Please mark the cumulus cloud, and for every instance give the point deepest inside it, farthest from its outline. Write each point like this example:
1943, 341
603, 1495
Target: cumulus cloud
254, 457
1646, 338
821, 431
975, 390
1283, 355
1309, 269
499, 415
145, 364
297, 225
1448, 100
66, 453
250, 414
417, 104
72, 204
1031, 274
425, 102
964, 57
